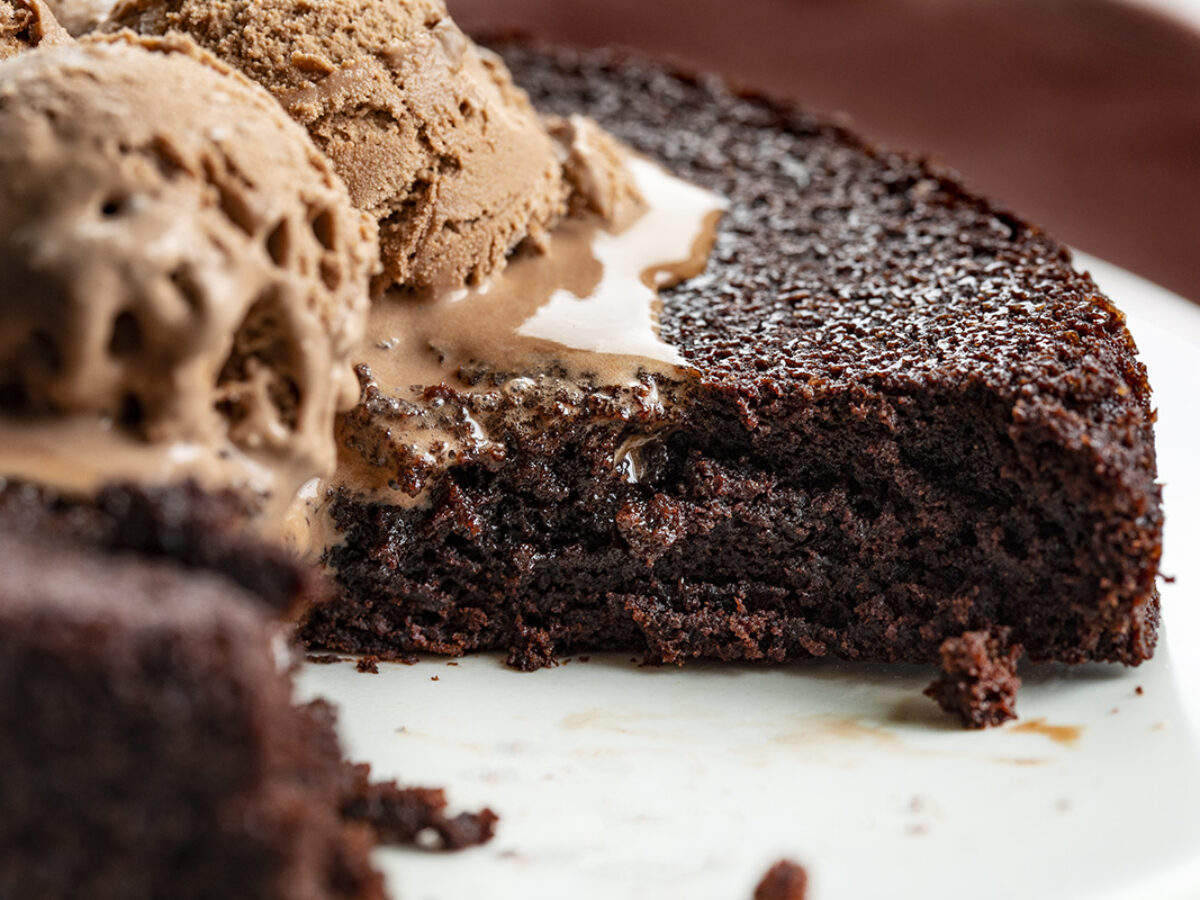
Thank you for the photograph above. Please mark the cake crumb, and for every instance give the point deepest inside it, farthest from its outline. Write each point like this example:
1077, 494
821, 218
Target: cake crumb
785, 880
324, 659
435, 678
979, 678
415, 816
369, 665
1138, 690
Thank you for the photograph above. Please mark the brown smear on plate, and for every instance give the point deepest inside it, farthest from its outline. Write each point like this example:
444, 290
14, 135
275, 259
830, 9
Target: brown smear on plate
1067, 735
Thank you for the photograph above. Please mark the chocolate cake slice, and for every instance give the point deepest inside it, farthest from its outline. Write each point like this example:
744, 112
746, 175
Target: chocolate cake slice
183, 524
905, 428
152, 746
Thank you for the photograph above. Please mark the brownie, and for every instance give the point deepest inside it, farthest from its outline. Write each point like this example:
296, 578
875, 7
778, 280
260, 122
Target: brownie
906, 418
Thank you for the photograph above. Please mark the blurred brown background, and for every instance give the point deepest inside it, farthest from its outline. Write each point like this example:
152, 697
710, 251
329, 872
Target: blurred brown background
1082, 115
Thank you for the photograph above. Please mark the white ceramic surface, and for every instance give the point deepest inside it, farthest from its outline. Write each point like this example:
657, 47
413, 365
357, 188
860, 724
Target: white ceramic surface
1184, 10
615, 781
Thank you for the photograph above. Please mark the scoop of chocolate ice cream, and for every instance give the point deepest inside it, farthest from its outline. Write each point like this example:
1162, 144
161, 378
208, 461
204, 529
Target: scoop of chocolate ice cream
178, 264
25, 24
595, 166
80, 16
428, 130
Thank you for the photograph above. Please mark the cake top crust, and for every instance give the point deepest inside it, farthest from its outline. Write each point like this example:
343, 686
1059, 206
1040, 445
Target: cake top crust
840, 265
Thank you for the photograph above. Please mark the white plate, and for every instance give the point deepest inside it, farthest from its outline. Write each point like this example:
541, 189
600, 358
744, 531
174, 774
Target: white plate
1184, 10
614, 781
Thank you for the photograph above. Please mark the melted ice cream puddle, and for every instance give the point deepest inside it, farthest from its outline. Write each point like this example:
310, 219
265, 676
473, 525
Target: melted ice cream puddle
667, 244
587, 306
581, 316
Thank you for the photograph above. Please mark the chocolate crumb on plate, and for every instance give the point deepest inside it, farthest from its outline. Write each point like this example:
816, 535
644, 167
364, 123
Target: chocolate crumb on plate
401, 815
785, 880
979, 678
